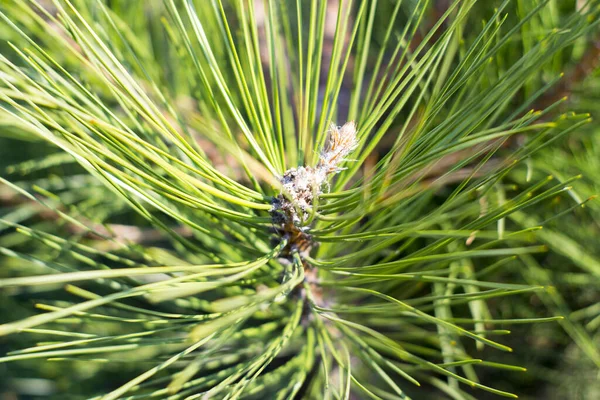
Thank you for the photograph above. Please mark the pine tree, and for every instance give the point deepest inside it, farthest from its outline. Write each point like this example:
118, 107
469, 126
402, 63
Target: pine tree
291, 199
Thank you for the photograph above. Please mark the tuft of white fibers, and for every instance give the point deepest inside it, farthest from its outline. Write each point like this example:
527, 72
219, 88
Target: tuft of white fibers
341, 140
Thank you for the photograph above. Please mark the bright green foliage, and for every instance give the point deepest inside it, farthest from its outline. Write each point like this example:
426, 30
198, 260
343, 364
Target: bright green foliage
146, 232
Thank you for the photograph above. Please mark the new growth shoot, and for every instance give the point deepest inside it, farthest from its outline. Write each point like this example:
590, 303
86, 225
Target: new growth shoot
302, 186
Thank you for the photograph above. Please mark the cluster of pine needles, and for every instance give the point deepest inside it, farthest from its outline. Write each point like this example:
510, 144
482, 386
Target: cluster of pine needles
307, 199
